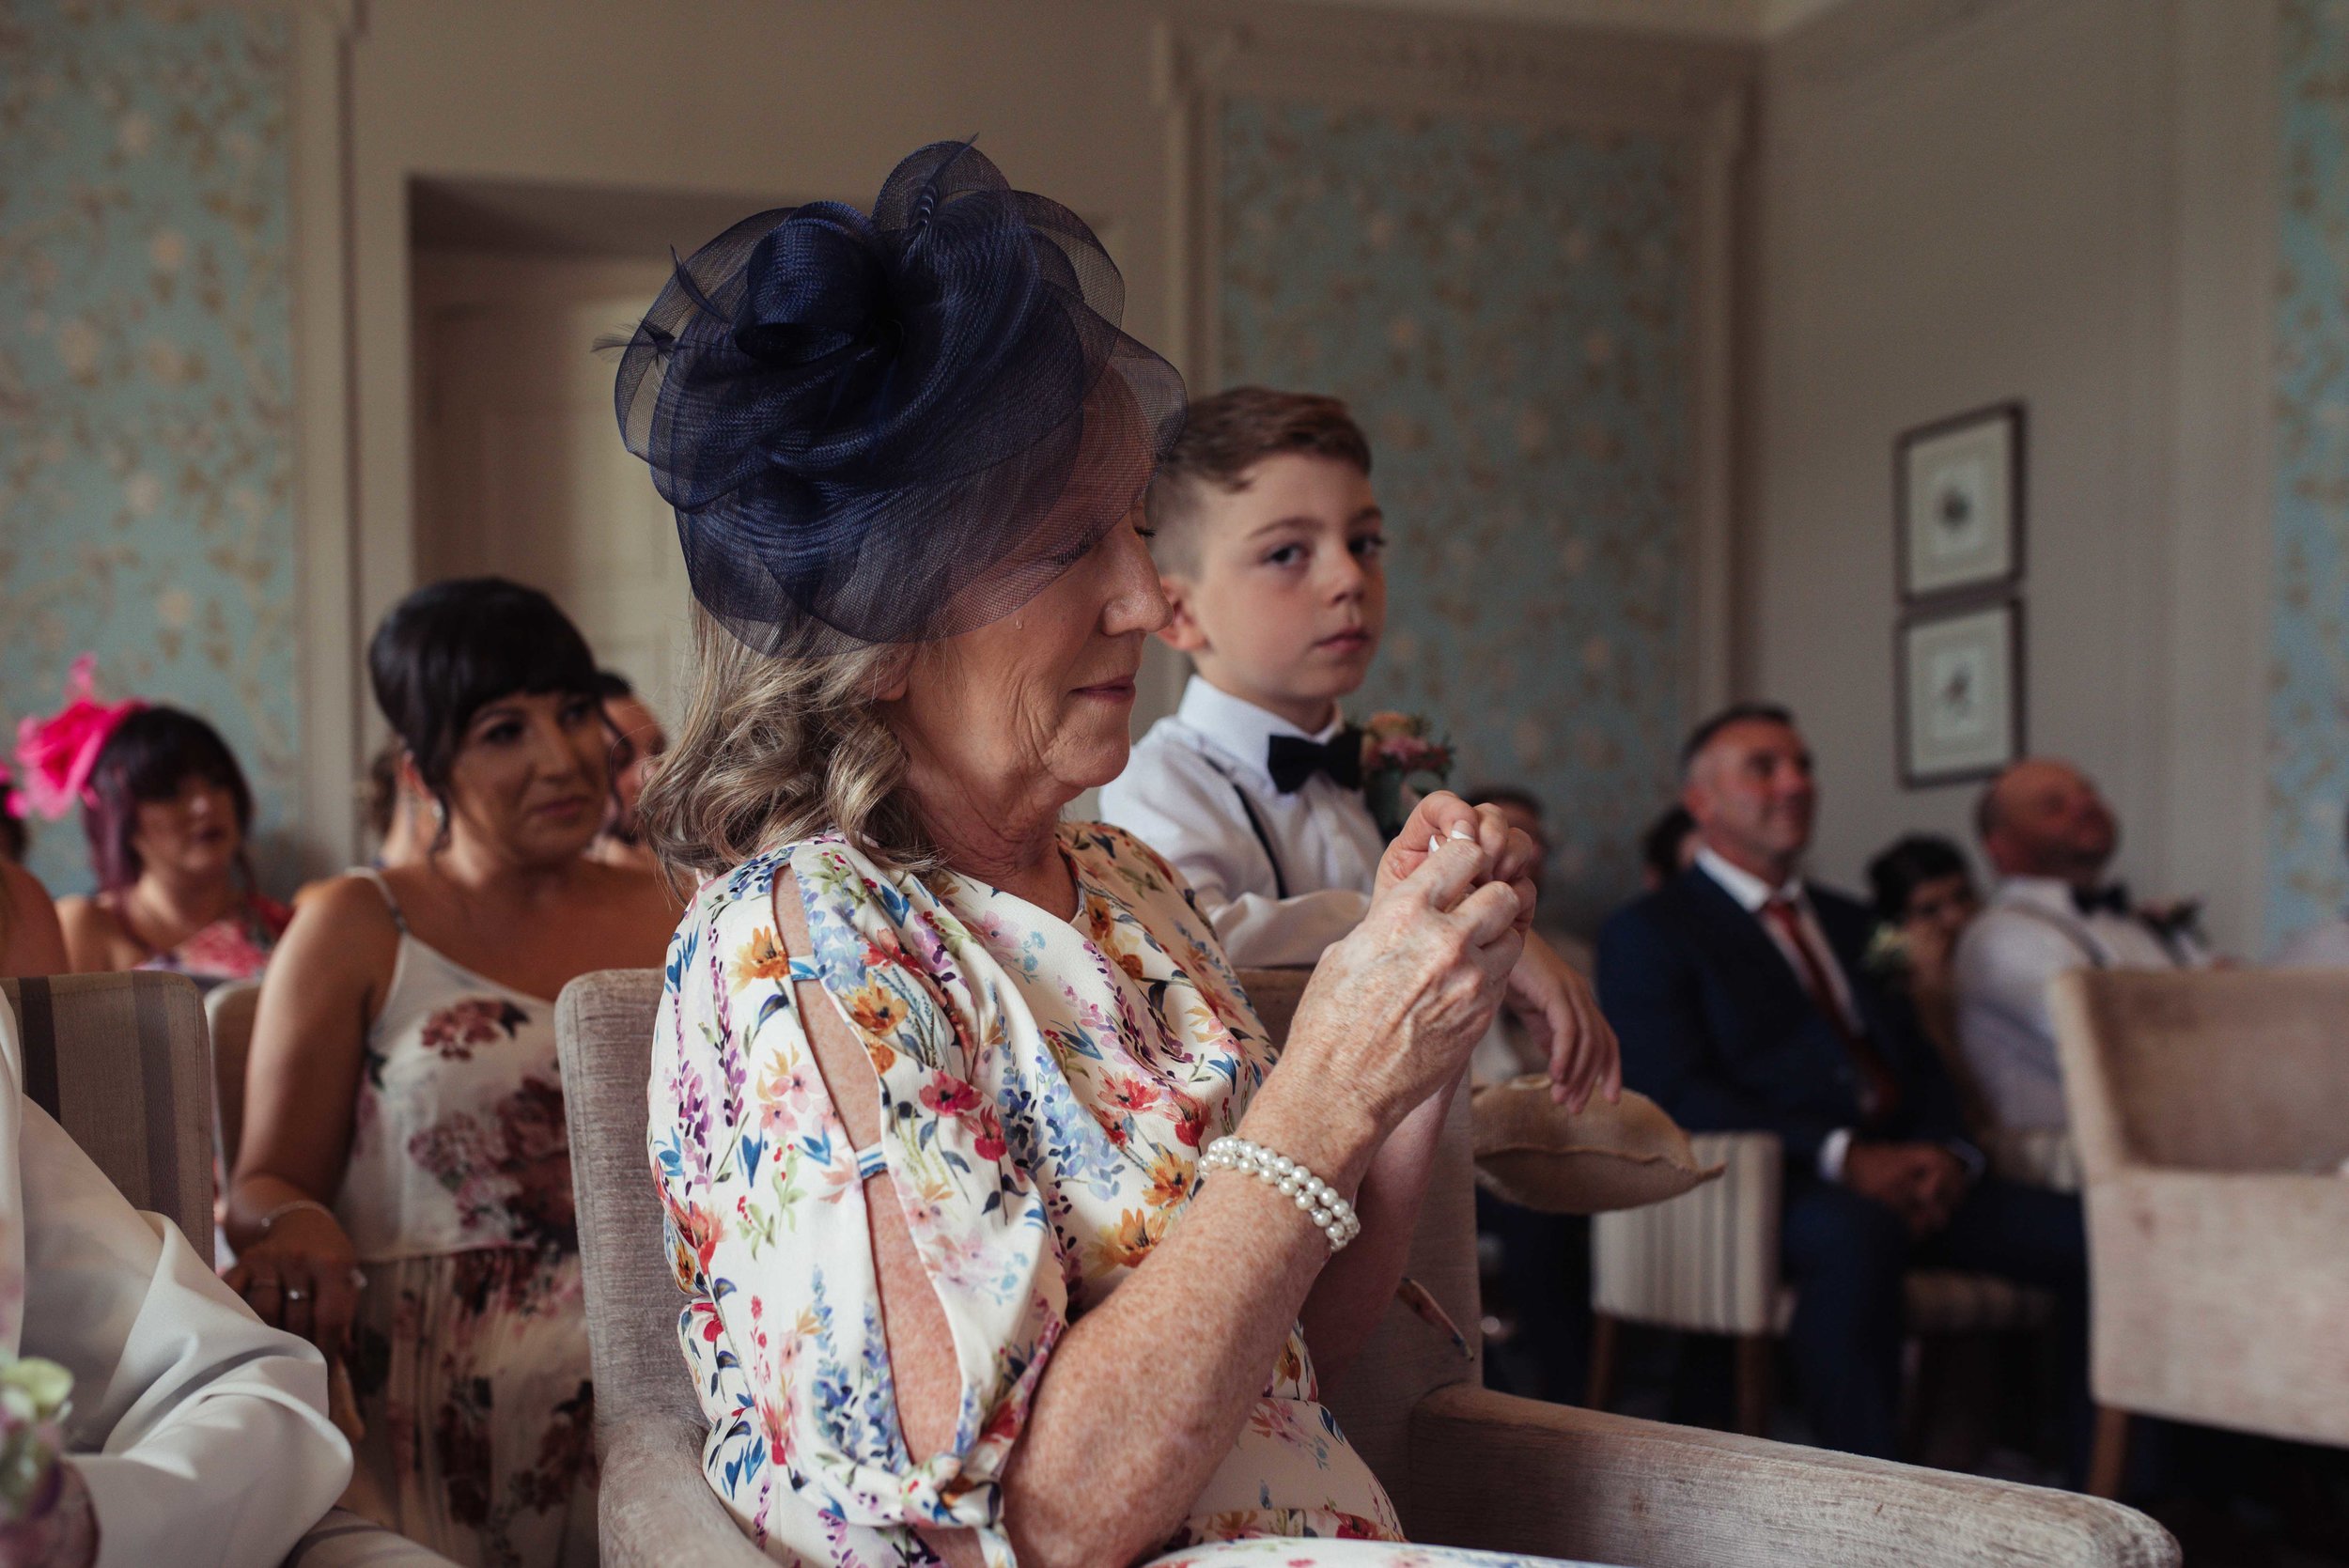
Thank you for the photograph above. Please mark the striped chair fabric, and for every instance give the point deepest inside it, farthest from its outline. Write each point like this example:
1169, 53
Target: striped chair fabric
122, 1061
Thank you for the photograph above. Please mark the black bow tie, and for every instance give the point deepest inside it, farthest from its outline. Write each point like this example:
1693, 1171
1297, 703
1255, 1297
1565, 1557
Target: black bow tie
1292, 759
2112, 899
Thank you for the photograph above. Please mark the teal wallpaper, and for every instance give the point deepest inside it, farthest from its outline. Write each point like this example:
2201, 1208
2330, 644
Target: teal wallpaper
145, 475
1503, 307
2308, 767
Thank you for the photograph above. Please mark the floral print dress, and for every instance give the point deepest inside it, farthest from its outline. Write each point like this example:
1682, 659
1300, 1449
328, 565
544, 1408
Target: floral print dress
234, 947
1047, 1087
469, 1361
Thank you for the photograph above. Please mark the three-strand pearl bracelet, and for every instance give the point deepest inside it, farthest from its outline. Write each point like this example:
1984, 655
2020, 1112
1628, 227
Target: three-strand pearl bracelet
1331, 1214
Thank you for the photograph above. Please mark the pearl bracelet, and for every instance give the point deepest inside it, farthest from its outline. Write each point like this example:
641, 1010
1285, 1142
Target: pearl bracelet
1331, 1214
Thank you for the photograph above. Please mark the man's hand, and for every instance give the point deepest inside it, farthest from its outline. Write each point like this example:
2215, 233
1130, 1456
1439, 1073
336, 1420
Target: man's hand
1922, 1183
1561, 1014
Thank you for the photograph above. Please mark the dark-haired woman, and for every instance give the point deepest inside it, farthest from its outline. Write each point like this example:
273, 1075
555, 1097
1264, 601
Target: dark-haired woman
403, 1195
167, 812
1924, 899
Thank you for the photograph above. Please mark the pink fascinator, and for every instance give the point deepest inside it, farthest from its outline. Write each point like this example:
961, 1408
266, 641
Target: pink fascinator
59, 752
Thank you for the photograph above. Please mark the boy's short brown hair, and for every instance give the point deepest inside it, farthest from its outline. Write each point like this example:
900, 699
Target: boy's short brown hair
1226, 435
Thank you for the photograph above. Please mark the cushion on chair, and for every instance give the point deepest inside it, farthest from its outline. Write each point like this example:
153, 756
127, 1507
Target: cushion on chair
1534, 1152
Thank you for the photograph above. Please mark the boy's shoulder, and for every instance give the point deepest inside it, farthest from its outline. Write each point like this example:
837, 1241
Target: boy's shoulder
1170, 774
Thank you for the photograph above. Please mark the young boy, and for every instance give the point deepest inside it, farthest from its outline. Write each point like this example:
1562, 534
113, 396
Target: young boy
1268, 544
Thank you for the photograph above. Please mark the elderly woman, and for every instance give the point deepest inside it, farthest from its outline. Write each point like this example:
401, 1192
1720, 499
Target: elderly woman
403, 1191
938, 1077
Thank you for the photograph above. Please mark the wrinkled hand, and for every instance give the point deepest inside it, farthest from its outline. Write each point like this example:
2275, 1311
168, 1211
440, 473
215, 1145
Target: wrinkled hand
1393, 1011
64, 1536
303, 1277
1560, 1015
1512, 856
1922, 1183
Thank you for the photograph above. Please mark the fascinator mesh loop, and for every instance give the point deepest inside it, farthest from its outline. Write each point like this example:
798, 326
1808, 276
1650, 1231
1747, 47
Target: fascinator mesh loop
898, 426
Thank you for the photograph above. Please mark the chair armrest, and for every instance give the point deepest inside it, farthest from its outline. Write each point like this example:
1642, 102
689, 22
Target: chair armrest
1503, 1474
1706, 1261
657, 1507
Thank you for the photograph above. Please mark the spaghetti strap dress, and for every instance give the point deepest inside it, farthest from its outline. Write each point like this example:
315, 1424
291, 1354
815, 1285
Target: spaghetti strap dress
1047, 1086
470, 1361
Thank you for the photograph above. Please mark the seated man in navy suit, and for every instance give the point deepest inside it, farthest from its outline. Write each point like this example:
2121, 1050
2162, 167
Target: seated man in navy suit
1739, 996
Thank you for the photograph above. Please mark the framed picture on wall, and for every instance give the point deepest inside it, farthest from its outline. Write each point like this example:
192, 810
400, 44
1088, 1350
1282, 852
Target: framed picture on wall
1958, 495
1961, 693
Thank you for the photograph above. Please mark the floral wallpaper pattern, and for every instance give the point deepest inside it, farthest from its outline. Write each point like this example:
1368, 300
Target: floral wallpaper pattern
2308, 714
146, 470
1502, 304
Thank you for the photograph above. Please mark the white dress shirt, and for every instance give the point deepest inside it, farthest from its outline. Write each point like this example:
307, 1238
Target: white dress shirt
1751, 893
1188, 793
200, 1432
2322, 946
2030, 933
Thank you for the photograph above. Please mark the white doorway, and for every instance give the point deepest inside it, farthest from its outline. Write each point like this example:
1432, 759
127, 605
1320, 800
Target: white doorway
520, 467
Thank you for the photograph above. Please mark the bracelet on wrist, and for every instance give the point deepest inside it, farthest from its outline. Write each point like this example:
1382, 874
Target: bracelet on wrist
292, 1206
1331, 1213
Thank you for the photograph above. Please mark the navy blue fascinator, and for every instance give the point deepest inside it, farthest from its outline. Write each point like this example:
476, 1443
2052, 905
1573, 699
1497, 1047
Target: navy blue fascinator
898, 427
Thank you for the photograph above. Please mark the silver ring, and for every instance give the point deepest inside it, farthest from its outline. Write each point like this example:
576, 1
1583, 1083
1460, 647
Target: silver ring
294, 1293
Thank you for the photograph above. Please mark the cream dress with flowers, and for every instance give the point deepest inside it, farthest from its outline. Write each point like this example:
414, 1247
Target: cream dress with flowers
1046, 1088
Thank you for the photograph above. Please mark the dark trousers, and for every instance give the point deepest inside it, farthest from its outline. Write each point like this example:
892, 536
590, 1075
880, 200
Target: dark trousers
1846, 1255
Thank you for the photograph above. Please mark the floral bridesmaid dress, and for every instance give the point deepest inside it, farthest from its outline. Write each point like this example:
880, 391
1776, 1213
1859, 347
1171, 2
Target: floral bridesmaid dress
470, 1362
1047, 1086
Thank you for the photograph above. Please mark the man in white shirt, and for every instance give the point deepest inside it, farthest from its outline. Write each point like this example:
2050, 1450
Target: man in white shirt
198, 1435
2051, 837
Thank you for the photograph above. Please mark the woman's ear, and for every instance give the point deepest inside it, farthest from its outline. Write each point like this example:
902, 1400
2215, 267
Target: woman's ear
1182, 632
891, 677
411, 777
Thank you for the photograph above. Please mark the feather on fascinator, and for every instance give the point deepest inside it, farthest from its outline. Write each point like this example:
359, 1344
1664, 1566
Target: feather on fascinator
899, 426
59, 752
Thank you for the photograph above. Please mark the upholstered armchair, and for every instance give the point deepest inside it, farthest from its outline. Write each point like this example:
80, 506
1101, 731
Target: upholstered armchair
1706, 1262
1466, 1467
2211, 1111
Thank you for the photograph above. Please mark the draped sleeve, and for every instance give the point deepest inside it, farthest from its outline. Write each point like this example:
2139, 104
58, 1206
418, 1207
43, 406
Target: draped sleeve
764, 1201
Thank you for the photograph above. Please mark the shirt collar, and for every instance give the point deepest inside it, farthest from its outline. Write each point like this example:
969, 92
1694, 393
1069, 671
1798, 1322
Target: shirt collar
1239, 726
1749, 891
2050, 894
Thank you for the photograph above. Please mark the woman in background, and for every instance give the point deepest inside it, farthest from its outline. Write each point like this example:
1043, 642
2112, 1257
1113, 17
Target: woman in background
168, 811
1924, 899
404, 1108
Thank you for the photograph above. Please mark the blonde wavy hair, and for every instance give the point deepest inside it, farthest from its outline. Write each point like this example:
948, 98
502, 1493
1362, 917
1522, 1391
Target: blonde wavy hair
779, 747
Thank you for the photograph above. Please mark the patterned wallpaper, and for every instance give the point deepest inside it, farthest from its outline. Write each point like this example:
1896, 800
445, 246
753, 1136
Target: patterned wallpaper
1503, 306
2307, 721
146, 471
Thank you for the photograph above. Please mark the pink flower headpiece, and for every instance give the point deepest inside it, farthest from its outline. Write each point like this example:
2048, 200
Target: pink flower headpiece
59, 752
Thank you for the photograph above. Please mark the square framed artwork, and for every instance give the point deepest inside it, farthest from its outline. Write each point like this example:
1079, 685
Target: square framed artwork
1960, 693
1958, 498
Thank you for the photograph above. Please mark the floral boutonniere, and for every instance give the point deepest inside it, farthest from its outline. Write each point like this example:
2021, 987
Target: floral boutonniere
34, 1395
1395, 750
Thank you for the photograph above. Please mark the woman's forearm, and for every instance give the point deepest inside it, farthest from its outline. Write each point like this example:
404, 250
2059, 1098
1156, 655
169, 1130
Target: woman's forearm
1351, 1295
1154, 1385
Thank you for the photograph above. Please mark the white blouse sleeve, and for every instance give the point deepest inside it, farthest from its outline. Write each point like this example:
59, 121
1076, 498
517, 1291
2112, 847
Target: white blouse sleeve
200, 1432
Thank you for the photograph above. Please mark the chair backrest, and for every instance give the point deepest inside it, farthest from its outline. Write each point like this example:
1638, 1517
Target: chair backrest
122, 1063
228, 1011
603, 1023
2205, 1070
604, 1030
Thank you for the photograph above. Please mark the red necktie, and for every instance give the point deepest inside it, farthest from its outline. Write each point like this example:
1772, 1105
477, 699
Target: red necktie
1879, 1091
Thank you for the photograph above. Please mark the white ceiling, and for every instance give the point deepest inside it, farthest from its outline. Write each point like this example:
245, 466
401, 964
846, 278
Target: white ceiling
1749, 20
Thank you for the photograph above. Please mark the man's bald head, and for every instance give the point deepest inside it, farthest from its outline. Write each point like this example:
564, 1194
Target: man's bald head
2044, 817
